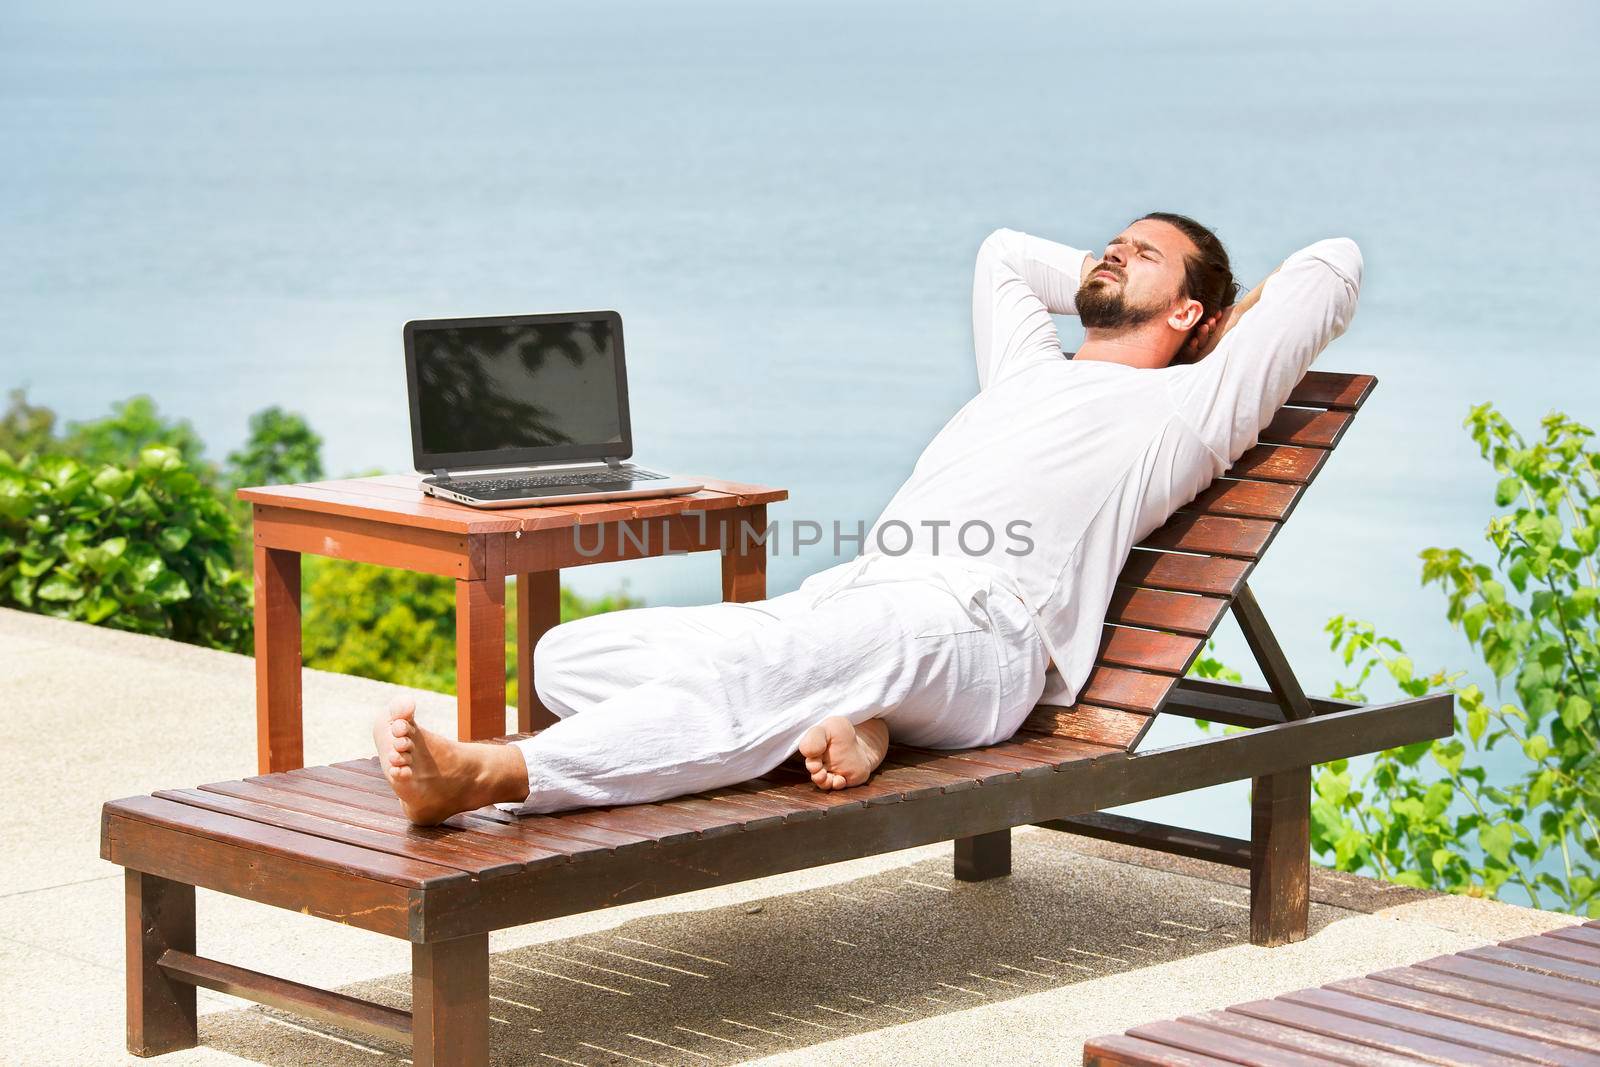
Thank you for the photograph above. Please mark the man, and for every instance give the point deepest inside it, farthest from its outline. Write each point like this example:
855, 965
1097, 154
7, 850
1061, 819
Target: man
993, 564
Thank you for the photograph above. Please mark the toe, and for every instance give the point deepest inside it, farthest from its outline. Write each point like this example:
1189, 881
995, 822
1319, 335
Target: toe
813, 742
402, 744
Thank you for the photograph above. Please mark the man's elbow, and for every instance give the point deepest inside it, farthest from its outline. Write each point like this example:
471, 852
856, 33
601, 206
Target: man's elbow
1342, 256
999, 245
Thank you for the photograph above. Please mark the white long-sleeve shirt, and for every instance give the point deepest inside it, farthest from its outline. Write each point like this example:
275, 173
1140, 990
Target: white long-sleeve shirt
1092, 455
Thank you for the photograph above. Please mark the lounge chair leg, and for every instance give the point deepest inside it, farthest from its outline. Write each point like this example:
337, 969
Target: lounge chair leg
983, 856
1280, 857
450, 1002
161, 1011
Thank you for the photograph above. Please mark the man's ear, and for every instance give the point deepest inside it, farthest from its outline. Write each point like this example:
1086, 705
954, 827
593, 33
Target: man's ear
1186, 315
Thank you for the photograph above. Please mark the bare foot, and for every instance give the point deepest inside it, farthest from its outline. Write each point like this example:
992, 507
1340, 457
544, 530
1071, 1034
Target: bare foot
435, 776
840, 754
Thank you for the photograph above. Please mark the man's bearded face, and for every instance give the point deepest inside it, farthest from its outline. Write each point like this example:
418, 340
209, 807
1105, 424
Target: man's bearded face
1103, 301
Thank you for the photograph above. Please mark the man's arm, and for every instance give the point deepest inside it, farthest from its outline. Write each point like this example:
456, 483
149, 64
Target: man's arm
1019, 282
1266, 343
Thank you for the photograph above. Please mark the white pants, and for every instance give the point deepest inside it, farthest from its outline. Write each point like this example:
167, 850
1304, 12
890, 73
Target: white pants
658, 702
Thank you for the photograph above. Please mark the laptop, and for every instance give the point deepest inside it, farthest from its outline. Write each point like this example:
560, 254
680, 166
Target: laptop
516, 410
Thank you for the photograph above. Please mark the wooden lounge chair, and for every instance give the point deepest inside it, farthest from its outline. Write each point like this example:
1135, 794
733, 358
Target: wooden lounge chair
331, 841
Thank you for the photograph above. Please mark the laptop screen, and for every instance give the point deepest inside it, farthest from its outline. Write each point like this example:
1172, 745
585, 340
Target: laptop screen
517, 389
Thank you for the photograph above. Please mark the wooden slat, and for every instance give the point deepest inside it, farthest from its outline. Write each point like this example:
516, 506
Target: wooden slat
645, 821
430, 850
1500, 1017
582, 841
1587, 934
344, 859
1279, 463
1147, 650
1459, 988
1306, 427
1246, 499
1113, 727
1571, 951
1119, 1049
994, 765
1116, 687
1472, 1034
1207, 575
1211, 534
491, 839
1365, 1032
1330, 1049
1231, 1048
1331, 389
1491, 973
1158, 609
1528, 961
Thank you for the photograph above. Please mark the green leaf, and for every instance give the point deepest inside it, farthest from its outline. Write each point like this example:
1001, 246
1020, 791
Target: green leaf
1496, 841
114, 482
173, 538
160, 458
1507, 490
60, 586
144, 563
1575, 712
107, 555
35, 567
99, 609
169, 587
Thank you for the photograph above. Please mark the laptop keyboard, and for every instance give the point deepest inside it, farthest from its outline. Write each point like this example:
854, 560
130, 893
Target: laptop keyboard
545, 481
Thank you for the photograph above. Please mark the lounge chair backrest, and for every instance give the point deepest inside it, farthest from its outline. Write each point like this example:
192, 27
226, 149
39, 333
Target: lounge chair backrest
1184, 577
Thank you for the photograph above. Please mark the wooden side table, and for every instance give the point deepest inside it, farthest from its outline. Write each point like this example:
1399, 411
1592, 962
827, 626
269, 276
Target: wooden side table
389, 521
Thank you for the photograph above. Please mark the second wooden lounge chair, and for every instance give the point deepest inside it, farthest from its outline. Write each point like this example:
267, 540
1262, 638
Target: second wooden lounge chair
331, 841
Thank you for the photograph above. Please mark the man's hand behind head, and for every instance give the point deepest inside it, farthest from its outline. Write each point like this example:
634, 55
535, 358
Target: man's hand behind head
1205, 335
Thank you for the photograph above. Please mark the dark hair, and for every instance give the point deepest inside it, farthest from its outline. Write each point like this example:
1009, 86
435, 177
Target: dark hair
1207, 275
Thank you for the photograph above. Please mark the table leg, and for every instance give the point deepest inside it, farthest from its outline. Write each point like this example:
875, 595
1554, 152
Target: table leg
744, 558
480, 658
279, 743
538, 611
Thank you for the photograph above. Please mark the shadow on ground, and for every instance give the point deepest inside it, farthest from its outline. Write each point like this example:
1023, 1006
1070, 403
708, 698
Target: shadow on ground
743, 981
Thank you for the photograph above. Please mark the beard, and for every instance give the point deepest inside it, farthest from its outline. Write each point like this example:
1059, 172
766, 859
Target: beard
1102, 306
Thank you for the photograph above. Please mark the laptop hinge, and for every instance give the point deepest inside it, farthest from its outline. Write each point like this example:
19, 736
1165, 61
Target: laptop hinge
442, 472
613, 461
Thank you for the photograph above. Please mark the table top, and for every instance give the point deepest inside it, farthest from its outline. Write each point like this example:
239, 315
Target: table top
397, 499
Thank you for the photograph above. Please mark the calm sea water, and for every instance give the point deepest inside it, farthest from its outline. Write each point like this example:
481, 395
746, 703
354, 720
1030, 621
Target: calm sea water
232, 208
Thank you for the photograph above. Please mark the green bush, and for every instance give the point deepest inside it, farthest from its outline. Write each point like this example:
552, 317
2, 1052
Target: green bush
399, 626
281, 449
146, 546
1512, 797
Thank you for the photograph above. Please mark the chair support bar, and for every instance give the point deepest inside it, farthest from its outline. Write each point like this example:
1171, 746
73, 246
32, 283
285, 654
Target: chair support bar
335, 1009
1274, 664
1177, 840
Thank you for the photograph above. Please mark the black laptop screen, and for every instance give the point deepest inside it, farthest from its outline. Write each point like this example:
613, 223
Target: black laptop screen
481, 388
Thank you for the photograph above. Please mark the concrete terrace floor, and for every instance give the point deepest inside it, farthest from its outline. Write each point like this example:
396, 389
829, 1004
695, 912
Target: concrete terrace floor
883, 960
